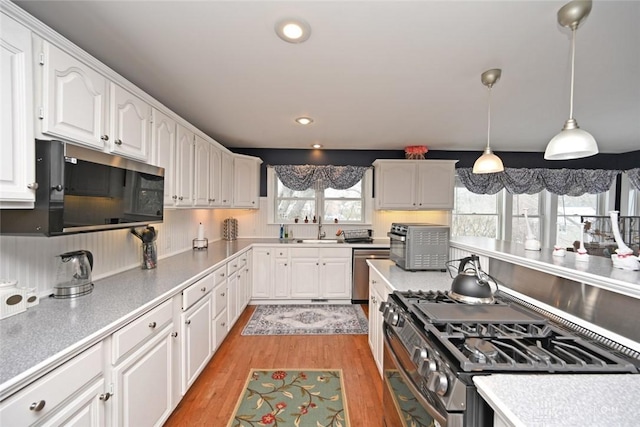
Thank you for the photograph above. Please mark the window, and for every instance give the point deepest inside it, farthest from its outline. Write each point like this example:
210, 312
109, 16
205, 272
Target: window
570, 209
520, 202
346, 206
474, 214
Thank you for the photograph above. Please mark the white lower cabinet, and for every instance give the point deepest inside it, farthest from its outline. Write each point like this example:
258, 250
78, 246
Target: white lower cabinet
143, 383
197, 341
74, 391
377, 294
321, 273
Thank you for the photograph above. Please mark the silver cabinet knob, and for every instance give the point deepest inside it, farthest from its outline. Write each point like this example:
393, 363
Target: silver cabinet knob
118, 142
224, 323
174, 197
174, 334
285, 264
203, 289
221, 274
373, 281
33, 186
188, 322
152, 325
222, 294
37, 406
104, 137
57, 187
180, 198
105, 396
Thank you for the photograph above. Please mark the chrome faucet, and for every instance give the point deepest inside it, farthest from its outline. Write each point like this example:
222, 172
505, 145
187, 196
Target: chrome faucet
321, 234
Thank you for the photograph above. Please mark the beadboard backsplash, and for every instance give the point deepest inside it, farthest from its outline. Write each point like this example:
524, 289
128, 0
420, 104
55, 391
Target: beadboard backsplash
33, 261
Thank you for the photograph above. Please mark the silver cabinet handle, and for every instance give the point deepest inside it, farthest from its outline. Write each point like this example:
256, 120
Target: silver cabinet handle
174, 197
37, 406
222, 294
203, 289
118, 142
180, 198
33, 186
224, 323
373, 281
57, 187
152, 325
174, 334
188, 322
267, 253
104, 137
105, 396
221, 274
285, 264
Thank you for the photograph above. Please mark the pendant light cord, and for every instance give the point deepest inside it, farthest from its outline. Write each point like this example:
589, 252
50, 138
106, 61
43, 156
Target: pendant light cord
573, 65
489, 120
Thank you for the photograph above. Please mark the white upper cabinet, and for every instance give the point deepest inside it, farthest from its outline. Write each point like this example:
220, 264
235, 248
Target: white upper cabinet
246, 182
226, 179
130, 129
414, 184
163, 152
73, 99
17, 162
201, 173
215, 171
184, 167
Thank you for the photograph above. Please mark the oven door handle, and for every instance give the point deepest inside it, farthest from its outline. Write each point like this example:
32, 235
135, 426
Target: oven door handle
412, 387
393, 236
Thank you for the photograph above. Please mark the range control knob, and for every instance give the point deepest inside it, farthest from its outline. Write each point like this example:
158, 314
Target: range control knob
419, 354
383, 306
426, 366
438, 383
397, 319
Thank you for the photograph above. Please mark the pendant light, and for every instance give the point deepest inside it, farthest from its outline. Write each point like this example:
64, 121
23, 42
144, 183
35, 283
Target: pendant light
489, 162
572, 142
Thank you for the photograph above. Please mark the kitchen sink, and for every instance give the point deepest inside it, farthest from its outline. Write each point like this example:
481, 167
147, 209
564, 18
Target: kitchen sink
319, 241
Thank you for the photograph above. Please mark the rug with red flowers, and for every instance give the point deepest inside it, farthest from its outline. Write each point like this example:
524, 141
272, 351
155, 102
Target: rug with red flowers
283, 398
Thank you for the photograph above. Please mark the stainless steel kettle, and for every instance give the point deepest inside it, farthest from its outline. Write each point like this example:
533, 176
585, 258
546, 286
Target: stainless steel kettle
74, 274
470, 284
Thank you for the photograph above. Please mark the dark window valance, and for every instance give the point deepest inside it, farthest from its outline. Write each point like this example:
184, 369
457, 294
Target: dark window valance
571, 182
303, 177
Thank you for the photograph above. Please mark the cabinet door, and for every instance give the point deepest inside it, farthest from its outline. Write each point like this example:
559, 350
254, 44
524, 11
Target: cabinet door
220, 328
17, 165
232, 298
130, 124
395, 185
201, 173
304, 277
281, 278
226, 179
215, 176
197, 344
246, 182
86, 410
436, 181
73, 99
335, 277
184, 167
143, 384
262, 272
163, 152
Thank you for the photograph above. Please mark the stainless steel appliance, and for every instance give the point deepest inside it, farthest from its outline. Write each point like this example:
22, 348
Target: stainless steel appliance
419, 246
74, 274
360, 276
86, 190
435, 344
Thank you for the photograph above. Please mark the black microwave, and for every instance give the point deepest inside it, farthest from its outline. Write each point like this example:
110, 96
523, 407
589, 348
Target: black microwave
80, 190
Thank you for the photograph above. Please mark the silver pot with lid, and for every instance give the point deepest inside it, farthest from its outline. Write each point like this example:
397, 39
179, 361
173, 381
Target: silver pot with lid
74, 274
471, 284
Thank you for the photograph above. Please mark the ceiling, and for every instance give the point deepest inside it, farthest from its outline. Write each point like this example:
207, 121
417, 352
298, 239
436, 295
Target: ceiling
374, 74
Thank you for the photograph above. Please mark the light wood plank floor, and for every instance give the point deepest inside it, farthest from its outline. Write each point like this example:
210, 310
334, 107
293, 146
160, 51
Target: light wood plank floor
212, 398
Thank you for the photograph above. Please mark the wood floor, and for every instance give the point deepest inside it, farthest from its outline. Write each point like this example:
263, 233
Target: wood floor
212, 398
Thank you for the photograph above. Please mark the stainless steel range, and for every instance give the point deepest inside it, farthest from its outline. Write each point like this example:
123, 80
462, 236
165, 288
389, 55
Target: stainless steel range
434, 345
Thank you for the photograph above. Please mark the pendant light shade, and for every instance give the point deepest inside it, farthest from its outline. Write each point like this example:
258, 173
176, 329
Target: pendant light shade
489, 162
572, 142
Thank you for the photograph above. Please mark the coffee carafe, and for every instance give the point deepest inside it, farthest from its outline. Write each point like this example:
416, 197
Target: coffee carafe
74, 274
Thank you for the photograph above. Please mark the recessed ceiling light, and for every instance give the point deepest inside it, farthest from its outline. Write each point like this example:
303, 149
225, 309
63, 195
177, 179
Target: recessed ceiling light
317, 145
293, 30
304, 120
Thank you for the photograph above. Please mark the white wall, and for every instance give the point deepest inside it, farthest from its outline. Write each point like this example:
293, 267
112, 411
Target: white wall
33, 261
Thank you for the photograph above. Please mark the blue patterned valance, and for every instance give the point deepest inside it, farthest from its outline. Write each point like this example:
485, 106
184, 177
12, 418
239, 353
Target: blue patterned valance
302, 177
571, 182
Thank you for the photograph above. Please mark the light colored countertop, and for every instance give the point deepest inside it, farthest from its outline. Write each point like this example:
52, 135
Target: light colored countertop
563, 400
597, 271
397, 279
45, 336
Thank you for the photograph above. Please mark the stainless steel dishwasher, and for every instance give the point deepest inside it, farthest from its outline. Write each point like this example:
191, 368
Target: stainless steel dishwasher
360, 277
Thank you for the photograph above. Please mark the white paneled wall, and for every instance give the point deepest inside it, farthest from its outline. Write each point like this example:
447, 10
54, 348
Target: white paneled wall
33, 261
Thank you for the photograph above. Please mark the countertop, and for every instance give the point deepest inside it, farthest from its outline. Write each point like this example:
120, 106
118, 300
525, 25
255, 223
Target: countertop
563, 400
54, 331
597, 271
397, 279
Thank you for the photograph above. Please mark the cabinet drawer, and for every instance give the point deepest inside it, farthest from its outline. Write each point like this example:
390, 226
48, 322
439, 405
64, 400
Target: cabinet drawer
219, 299
220, 328
220, 275
140, 329
48, 392
233, 266
193, 293
281, 253
242, 260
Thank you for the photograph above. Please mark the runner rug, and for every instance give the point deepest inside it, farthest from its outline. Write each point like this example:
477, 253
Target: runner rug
293, 398
308, 319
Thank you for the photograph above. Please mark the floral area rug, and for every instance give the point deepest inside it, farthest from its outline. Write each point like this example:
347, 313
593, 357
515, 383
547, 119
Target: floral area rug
283, 398
307, 319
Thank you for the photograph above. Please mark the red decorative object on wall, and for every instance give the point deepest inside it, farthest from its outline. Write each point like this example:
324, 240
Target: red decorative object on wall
415, 152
